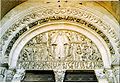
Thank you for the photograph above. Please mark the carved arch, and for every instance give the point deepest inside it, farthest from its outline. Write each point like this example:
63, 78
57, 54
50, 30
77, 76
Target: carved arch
27, 20
32, 33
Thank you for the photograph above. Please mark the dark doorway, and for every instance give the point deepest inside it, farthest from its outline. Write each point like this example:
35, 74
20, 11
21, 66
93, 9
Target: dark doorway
70, 76
39, 76
80, 76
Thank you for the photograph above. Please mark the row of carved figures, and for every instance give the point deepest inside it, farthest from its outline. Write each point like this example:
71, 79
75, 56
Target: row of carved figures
103, 75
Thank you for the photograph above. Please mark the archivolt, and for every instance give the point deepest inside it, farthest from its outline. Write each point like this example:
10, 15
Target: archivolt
21, 42
42, 15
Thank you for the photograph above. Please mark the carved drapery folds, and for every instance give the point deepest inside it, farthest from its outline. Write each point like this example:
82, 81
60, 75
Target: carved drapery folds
52, 49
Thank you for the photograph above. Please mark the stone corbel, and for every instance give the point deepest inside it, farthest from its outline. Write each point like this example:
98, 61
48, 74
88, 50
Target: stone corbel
59, 75
19, 75
101, 76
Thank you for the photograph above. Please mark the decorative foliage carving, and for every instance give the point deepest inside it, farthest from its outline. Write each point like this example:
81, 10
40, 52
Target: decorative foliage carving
52, 49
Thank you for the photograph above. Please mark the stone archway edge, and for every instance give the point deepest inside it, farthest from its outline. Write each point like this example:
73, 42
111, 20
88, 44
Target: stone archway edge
98, 22
30, 34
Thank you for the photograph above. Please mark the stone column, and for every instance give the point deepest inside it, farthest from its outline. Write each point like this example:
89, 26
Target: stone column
101, 76
59, 75
19, 75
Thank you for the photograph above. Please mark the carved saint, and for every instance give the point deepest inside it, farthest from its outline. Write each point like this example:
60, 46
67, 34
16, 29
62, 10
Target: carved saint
60, 45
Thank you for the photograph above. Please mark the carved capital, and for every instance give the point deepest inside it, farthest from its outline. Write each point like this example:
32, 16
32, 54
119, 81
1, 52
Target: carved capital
19, 75
110, 76
59, 75
9, 75
116, 72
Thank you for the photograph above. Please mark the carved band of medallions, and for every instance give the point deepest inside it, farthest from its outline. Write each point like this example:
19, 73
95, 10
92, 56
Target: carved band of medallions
60, 48
57, 18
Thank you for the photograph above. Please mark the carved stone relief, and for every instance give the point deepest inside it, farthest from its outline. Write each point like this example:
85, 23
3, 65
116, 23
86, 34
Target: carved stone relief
19, 75
9, 75
44, 51
110, 76
116, 72
60, 48
2, 72
50, 12
100, 74
59, 75
56, 18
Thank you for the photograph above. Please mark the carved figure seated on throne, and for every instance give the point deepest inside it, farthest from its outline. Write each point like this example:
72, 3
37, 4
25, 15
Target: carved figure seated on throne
60, 45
